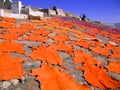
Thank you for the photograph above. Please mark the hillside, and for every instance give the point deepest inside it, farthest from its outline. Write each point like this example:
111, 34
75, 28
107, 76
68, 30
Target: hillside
117, 25
58, 53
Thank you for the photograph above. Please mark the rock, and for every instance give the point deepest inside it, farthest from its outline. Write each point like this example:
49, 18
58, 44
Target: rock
75, 47
14, 54
52, 34
75, 27
114, 76
103, 60
15, 81
50, 41
103, 38
73, 38
67, 63
27, 49
113, 43
29, 84
5, 84
20, 38
1, 40
23, 79
28, 65
28, 43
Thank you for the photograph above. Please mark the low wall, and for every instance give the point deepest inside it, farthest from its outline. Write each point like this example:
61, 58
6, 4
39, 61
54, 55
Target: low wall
60, 12
33, 13
36, 13
12, 15
16, 7
67, 14
51, 12
25, 11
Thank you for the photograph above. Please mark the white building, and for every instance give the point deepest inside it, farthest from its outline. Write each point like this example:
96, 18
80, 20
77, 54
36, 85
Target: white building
18, 11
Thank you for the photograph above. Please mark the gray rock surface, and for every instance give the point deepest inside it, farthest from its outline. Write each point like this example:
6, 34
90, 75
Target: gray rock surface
5, 84
14, 81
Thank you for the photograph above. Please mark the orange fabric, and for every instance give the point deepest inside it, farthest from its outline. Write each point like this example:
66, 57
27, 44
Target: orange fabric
78, 36
76, 31
49, 77
105, 33
9, 46
27, 26
45, 54
61, 47
52, 79
60, 38
10, 67
61, 31
97, 77
35, 38
115, 51
100, 50
116, 40
115, 36
94, 42
83, 27
9, 36
81, 56
41, 32
93, 31
5, 25
82, 43
115, 55
110, 47
17, 30
9, 20
114, 67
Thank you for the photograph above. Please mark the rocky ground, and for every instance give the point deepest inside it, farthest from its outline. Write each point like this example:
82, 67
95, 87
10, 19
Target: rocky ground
29, 82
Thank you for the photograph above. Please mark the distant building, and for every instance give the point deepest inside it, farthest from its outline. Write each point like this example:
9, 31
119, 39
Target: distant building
17, 10
67, 14
25, 10
13, 11
31, 11
58, 11
16, 7
5, 4
48, 12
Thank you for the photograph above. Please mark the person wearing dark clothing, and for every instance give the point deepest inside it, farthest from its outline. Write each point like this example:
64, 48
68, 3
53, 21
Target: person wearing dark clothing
83, 17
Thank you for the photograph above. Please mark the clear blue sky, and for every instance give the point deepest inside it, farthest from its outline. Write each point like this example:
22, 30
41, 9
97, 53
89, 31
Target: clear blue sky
107, 11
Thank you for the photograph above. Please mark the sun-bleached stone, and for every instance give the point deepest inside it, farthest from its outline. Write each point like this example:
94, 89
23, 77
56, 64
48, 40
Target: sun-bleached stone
6, 84
14, 81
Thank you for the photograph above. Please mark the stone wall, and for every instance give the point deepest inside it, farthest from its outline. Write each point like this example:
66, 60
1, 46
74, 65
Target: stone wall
5, 4
25, 11
16, 7
1, 3
7, 11
32, 11
48, 11
51, 12
12, 15
58, 11
35, 13
67, 14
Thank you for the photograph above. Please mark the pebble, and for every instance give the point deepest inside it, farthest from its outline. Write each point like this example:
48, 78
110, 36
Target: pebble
23, 79
113, 43
5, 84
15, 81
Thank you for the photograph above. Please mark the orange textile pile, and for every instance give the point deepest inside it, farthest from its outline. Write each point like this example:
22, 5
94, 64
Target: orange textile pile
54, 42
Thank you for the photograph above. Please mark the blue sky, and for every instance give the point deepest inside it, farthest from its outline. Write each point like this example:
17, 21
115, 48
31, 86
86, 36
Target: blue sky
106, 11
